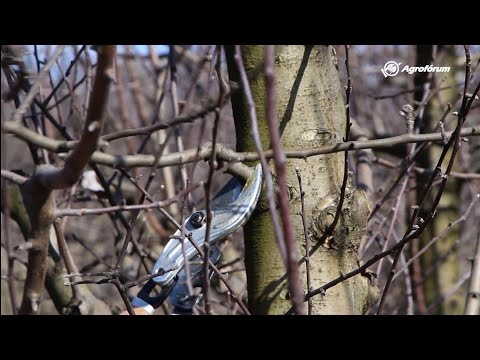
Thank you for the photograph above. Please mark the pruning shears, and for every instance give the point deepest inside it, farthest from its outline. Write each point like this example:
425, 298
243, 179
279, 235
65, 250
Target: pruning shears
231, 209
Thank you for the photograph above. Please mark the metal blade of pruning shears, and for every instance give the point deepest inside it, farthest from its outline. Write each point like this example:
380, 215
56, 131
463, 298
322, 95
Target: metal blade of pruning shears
231, 209
227, 217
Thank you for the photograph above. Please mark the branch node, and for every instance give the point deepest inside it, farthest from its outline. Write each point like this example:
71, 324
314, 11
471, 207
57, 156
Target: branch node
93, 126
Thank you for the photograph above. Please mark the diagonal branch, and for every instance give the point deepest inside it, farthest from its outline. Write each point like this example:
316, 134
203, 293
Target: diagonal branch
61, 178
18, 115
37, 190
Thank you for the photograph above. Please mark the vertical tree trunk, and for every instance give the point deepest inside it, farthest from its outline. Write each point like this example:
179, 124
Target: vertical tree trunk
311, 113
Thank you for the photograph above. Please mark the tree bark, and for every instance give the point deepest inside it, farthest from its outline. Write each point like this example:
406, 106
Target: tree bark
311, 113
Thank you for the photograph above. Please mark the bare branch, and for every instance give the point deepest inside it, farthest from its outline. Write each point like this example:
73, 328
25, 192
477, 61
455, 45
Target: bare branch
419, 170
307, 239
451, 292
37, 192
13, 177
223, 153
440, 235
70, 173
455, 141
208, 191
147, 130
111, 209
35, 88
293, 273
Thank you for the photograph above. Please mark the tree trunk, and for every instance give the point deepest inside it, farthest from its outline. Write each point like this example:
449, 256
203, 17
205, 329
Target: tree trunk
311, 113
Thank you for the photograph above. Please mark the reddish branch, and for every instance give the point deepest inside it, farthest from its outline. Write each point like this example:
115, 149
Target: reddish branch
293, 273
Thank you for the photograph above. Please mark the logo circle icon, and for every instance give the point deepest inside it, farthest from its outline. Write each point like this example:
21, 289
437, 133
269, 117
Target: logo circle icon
391, 68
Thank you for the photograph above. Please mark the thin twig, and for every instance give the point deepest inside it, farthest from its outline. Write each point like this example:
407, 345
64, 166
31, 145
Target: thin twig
419, 170
407, 91
307, 239
455, 140
440, 235
39, 187
70, 90
237, 298
67, 73
407, 163
208, 197
147, 130
293, 272
174, 98
35, 88
411, 233
373, 235
462, 280
393, 221
408, 287
123, 294
188, 275
111, 209
233, 294
122, 103
260, 154
65, 253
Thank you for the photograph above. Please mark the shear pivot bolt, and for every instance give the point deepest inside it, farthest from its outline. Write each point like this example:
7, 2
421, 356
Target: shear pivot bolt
197, 219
